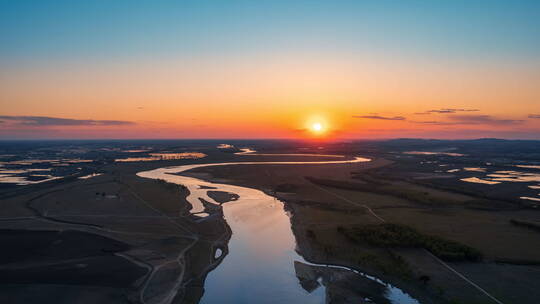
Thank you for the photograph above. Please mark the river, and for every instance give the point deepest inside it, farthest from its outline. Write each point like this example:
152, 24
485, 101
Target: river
262, 265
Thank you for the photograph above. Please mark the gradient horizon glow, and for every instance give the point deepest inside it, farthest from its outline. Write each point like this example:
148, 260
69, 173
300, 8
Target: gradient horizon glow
269, 69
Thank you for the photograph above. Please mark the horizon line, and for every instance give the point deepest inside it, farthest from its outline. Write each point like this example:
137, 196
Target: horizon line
260, 139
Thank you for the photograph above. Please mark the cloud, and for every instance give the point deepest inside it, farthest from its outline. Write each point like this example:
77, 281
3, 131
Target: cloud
472, 120
534, 115
434, 122
484, 119
379, 117
446, 111
54, 121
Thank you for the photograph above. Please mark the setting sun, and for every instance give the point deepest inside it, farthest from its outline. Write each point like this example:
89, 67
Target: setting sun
317, 127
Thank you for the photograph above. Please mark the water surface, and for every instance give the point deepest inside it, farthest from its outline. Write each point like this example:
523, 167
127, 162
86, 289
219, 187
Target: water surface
262, 265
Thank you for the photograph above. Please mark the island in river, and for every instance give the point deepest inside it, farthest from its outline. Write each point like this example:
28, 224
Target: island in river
337, 232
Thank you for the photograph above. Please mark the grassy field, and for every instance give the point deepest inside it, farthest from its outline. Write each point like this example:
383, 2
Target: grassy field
440, 221
151, 217
115, 238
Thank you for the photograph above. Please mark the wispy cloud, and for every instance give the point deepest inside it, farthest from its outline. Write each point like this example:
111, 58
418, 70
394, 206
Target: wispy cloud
534, 115
484, 119
446, 111
434, 122
472, 120
379, 117
55, 121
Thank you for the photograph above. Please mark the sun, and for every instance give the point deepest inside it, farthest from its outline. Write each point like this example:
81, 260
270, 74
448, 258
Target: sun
317, 127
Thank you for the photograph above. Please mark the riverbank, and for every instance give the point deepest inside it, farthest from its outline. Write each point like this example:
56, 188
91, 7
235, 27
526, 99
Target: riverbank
251, 233
162, 253
319, 211
178, 248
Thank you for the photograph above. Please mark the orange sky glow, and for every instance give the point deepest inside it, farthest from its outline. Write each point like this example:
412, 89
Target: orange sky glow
249, 77
279, 98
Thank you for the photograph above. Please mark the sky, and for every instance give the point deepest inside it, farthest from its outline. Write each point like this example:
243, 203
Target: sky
269, 69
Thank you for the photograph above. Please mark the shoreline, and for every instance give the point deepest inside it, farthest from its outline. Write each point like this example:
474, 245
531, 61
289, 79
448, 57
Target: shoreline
243, 177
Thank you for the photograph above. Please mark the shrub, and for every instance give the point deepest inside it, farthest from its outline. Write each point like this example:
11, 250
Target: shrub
396, 235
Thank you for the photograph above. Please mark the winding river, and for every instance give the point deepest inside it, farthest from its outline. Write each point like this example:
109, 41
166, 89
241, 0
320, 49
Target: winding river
262, 265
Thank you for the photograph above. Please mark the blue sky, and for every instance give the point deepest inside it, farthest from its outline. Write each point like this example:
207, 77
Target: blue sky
80, 29
266, 68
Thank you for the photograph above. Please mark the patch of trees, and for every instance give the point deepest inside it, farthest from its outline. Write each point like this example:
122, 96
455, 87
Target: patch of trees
395, 235
171, 186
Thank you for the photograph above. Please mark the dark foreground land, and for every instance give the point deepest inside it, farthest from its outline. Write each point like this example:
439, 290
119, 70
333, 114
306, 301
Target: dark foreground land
112, 238
118, 238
